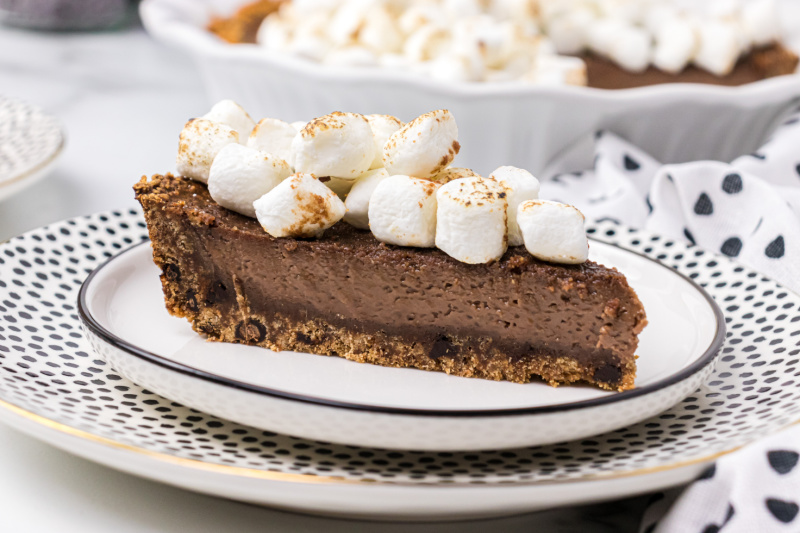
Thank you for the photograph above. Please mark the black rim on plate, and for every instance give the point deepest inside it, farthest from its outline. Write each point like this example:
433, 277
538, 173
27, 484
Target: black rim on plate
107, 336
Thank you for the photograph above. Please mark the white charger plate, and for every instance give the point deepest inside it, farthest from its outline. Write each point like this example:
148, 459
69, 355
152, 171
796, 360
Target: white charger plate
332, 399
54, 388
30, 142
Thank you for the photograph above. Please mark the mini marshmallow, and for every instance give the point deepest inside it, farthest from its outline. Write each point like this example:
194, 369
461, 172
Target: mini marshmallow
569, 31
274, 34
273, 136
603, 33
676, 43
484, 37
347, 19
339, 145
232, 114
380, 33
240, 175
521, 186
453, 173
426, 43
471, 220
402, 211
383, 126
558, 70
357, 201
299, 206
200, 142
718, 49
760, 22
424, 146
553, 232
338, 185
631, 49
420, 15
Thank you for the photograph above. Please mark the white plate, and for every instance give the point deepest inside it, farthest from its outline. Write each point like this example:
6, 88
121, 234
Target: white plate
336, 400
518, 124
30, 142
54, 388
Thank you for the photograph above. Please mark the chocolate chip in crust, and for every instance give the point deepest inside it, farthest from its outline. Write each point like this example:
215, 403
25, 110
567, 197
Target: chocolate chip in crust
250, 331
171, 272
443, 347
610, 374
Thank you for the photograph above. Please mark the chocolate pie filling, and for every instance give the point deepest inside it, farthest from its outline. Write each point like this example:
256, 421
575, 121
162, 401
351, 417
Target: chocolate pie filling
348, 294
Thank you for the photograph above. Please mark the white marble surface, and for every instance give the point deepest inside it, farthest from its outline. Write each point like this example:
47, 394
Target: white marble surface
123, 99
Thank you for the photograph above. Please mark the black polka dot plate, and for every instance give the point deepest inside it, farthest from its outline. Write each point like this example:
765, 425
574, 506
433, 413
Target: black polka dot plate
54, 387
30, 142
335, 400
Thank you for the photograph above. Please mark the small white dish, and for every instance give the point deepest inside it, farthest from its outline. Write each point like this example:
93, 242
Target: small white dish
54, 388
335, 400
516, 124
30, 142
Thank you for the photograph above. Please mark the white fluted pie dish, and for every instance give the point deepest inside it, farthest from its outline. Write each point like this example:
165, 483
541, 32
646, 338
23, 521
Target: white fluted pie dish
514, 123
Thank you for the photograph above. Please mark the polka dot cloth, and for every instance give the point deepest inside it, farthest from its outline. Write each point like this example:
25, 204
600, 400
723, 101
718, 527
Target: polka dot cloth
757, 489
748, 210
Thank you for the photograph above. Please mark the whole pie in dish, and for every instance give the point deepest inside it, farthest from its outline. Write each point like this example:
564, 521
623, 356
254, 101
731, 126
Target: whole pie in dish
469, 306
608, 44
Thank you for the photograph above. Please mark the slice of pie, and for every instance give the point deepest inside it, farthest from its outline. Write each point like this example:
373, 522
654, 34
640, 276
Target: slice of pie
349, 295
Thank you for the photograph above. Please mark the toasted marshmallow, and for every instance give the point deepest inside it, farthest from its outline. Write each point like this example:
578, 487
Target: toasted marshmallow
232, 114
274, 34
240, 175
676, 44
631, 49
659, 14
569, 31
760, 22
299, 124
718, 48
420, 15
383, 127
402, 211
453, 173
339, 145
520, 186
558, 70
603, 33
426, 43
471, 220
424, 146
357, 201
553, 231
347, 19
380, 33
484, 39
273, 136
200, 142
338, 185
299, 206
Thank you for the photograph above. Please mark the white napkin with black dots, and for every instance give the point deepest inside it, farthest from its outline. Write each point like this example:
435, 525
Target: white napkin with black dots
749, 210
